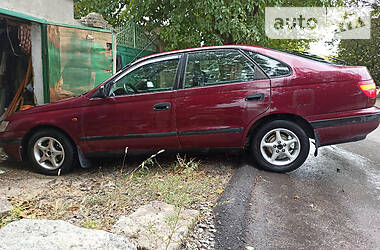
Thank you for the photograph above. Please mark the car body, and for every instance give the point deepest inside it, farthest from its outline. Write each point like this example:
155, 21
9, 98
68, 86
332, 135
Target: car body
210, 97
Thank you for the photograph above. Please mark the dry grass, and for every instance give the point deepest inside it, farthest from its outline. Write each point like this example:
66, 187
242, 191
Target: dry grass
97, 199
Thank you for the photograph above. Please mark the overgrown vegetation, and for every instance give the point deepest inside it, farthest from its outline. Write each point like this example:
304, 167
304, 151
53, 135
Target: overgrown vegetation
96, 201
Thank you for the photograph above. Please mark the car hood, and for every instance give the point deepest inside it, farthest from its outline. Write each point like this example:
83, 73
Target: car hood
66, 104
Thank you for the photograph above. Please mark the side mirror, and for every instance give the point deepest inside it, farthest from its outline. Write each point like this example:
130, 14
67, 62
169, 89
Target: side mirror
100, 93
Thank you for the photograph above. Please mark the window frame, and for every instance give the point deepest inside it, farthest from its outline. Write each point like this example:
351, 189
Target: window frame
185, 62
245, 52
136, 66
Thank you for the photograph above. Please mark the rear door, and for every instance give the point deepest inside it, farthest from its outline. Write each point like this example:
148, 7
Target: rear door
139, 112
222, 91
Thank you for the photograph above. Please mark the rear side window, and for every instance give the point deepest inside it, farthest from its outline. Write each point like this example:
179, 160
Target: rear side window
219, 67
271, 67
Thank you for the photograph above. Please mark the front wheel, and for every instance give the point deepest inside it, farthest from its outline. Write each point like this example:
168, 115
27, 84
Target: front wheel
51, 152
280, 146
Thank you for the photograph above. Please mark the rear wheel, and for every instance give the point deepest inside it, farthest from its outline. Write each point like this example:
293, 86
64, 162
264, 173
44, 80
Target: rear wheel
51, 152
280, 146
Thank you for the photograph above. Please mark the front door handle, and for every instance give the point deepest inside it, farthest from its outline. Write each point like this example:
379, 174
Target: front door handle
161, 106
255, 97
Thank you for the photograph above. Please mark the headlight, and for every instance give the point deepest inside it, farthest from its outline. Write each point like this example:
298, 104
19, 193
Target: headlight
3, 126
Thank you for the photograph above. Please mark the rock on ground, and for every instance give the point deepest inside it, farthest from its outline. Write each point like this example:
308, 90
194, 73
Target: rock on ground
56, 234
5, 206
157, 225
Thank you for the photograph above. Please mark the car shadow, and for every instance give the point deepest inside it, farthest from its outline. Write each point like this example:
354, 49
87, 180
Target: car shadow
222, 157
132, 160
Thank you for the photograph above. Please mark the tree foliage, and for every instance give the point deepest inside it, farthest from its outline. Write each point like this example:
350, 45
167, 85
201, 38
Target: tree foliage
184, 23
365, 52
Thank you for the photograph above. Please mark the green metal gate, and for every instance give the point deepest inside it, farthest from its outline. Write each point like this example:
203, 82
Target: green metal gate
133, 43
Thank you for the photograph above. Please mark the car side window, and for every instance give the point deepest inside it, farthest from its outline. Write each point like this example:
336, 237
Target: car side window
151, 77
271, 67
219, 67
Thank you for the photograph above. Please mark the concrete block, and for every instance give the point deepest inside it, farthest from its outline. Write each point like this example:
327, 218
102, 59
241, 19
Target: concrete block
157, 225
56, 234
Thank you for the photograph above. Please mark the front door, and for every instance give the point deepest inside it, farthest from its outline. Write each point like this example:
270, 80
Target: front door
222, 92
139, 111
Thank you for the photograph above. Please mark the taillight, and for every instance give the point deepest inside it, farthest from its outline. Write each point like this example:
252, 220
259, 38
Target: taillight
368, 88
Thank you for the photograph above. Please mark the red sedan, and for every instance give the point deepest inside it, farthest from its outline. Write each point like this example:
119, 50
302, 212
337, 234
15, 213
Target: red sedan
269, 101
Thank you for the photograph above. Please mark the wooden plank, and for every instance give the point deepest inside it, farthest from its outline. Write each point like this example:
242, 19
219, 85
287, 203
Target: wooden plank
16, 100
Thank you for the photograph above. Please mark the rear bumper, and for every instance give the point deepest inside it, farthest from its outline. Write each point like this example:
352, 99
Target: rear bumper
352, 126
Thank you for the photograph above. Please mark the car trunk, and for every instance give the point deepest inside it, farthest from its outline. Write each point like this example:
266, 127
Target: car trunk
358, 74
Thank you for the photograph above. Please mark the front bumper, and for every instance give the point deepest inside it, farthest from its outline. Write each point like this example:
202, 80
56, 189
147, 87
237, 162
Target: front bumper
12, 147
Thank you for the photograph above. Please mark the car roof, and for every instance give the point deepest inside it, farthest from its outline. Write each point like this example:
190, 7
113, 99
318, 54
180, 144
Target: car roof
197, 49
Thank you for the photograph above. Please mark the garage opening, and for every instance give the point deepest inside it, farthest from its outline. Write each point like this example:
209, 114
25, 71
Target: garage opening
16, 73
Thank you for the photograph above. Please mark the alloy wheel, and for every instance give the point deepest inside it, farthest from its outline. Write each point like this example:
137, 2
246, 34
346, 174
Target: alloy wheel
49, 153
280, 146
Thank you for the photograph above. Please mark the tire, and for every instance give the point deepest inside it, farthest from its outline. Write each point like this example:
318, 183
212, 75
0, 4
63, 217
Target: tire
280, 155
51, 152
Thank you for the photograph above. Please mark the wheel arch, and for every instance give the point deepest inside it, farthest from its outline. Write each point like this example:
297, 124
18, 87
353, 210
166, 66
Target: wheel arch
299, 120
28, 135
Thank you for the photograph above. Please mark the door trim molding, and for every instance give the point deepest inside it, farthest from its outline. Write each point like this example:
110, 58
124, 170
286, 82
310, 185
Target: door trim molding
128, 136
211, 131
164, 134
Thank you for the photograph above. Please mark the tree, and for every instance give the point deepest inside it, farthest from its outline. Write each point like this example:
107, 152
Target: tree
184, 23
365, 52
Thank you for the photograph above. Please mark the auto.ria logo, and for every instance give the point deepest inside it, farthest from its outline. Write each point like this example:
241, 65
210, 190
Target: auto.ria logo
316, 22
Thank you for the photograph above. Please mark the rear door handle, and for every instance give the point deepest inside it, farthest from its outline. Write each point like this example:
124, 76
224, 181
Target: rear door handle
255, 97
161, 106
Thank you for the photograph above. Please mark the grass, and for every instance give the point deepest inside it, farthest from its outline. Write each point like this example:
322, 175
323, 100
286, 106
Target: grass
97, 200
173, 222
91, 224
21, 209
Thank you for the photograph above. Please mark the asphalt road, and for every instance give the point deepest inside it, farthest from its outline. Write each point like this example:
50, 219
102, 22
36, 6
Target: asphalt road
331, 202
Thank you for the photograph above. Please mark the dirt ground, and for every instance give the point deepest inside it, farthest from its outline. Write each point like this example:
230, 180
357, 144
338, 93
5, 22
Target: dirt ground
96, 197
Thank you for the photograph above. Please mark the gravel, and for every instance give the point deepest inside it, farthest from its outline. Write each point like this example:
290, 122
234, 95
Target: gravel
202, 237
